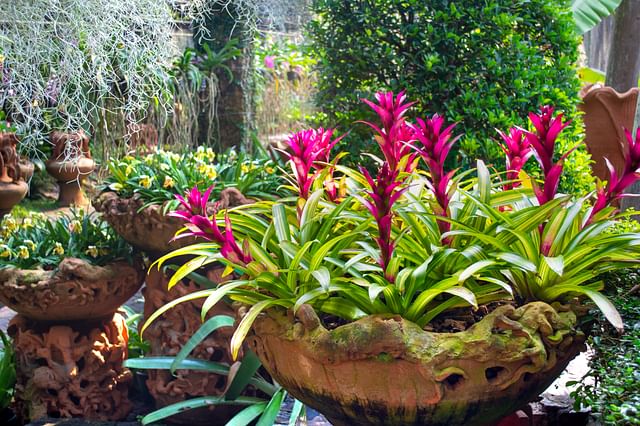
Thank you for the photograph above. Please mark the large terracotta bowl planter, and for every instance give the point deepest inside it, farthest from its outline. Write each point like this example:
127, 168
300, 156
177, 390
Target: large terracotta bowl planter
148, 228
383, 370
70, 173
76, 290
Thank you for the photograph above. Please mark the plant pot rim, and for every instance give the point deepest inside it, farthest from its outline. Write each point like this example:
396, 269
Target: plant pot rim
76, 289
382, 369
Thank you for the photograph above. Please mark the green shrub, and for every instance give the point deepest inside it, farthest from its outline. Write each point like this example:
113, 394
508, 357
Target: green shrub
485, 64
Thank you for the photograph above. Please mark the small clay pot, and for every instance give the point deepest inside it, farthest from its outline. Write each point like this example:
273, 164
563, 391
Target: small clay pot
70, 173
76, 290
10, 194
385, 370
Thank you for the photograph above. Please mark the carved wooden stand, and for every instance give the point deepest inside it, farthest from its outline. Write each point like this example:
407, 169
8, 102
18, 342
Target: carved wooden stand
71, 370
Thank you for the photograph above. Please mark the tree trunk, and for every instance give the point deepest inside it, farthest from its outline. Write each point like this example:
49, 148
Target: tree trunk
623, 69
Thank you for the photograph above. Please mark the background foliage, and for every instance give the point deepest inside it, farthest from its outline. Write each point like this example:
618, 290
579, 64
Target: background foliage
483, 64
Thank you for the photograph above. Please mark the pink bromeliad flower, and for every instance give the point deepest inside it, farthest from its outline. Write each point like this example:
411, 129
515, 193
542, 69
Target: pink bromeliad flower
543, 141
518, 151
385, 191
199, 225
618, 184
394, 135
435, 143
310, 150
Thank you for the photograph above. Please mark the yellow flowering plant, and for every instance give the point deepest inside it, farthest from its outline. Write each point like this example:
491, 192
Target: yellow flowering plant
38, 242
158, 177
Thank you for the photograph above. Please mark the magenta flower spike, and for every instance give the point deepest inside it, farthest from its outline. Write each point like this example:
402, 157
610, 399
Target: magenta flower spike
518, 151
385, 191
618, 184
199, 225
395, 135
435, 145
310, 150
543, 142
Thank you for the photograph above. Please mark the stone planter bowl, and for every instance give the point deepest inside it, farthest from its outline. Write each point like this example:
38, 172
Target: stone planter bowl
76, 290
384, 370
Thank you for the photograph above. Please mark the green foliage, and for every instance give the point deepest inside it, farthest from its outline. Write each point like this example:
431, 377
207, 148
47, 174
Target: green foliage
612, 387
485, 65
7, 371
5, 126
36, 241
589, 13
160, 176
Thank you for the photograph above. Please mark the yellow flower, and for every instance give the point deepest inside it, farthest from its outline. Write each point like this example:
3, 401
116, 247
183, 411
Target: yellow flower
168, 182
145, 181
148, 159
23, 252
129, 158
128, 170
209, 171
116, 187
58, 249
10, 223
244, 169
5, 251
164, 167
75, 227
30, 244
270, 170
92, 251
1, 58
27, 223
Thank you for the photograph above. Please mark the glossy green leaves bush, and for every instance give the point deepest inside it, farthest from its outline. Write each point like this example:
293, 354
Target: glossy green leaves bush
484, 64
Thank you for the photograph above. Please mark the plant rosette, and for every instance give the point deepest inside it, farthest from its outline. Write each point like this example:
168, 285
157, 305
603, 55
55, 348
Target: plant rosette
72, 269
415, 296
140, 191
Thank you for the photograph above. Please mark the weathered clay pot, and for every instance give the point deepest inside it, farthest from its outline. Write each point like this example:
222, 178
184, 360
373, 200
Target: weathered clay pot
149, 229
71, 370
76, 290
383, 370
70, 173
12, 189
606, 112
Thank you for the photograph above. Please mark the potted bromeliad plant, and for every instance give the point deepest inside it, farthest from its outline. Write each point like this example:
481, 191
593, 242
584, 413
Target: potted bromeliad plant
75, 267
140, 191
416, 294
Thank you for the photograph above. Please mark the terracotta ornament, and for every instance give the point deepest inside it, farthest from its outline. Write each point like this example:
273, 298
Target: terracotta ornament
70, 173
606, 113
71, 370
384, 370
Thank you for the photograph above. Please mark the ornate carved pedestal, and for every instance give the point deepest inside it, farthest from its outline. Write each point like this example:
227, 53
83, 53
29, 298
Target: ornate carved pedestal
72, 370
168, 334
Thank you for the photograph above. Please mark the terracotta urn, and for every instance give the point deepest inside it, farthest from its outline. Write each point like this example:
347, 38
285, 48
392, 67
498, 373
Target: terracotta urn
384, 370
12, 189
606, 113
75, 290
70, 164
148, 228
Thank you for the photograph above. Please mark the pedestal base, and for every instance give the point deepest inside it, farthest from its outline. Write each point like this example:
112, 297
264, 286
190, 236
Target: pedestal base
72, 370
168, 334
71, 193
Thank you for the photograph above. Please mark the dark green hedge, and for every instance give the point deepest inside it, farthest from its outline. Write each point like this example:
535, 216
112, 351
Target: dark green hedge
484, 63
